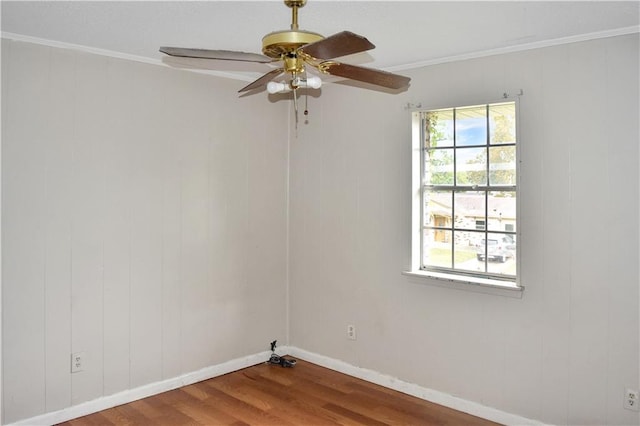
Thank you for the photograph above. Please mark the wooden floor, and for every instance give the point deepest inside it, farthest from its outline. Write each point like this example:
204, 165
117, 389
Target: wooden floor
271, 395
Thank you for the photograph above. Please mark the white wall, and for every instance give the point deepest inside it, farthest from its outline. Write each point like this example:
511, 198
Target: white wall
144, 223
564, 352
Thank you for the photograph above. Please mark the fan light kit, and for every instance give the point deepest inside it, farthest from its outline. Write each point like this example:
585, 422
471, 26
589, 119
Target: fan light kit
312, 82
296, 49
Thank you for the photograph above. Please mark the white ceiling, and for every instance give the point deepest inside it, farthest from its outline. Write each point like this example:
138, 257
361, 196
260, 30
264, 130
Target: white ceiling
407, 34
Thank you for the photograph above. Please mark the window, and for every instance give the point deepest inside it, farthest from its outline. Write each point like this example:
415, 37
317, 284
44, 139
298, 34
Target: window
465, 182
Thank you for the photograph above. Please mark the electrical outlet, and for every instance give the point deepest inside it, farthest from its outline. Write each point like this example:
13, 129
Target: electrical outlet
631, 399
351, 332
77, 362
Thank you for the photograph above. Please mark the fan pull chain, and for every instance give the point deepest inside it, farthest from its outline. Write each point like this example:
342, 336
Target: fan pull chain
295, 104
306, 94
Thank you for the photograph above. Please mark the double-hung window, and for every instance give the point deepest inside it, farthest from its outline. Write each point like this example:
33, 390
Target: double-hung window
465, 215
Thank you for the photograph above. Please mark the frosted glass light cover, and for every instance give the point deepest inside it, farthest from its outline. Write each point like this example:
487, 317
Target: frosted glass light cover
275, 87
314, 82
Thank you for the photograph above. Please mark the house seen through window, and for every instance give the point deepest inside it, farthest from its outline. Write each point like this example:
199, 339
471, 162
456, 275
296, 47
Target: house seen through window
469, 190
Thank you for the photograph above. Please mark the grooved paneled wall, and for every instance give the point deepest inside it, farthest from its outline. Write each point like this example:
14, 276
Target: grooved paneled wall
562, 354
144, 224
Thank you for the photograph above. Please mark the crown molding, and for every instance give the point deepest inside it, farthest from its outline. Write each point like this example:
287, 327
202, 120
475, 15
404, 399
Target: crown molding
520, 47
117, 55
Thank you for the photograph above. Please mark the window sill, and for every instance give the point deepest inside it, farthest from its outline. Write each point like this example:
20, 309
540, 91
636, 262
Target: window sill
477, 284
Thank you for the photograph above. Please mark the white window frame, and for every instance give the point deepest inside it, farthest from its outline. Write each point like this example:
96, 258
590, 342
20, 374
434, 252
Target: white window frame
454, 278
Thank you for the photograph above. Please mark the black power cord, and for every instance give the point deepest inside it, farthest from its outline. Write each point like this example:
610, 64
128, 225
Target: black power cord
280, 360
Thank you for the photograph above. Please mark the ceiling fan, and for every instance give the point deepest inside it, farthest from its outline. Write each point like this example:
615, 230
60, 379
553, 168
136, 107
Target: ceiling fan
296, 49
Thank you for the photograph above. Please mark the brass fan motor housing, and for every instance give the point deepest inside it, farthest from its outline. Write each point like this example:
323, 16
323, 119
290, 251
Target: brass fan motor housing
279, 43
284, 44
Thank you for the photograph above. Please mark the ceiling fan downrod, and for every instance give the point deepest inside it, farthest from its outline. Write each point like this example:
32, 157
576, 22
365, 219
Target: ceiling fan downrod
294, 5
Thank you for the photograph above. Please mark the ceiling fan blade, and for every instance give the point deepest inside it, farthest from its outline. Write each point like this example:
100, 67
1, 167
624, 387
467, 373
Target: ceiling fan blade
225, 55
367, 75
262, 80
340, 44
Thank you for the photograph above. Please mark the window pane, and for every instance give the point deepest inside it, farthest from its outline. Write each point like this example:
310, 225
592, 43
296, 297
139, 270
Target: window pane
439, 167
469, 209
439, 129
502, 211
471, 126
501, 250
464, 255
466, 251
502, 123
471, 166
437, 209
437, 248
502, 165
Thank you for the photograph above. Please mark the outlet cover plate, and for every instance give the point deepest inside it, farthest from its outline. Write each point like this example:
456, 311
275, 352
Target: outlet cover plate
77, 362
351, 332
631, 399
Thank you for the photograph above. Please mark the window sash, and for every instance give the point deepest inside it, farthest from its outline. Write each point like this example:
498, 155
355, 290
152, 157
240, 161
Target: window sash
453, 231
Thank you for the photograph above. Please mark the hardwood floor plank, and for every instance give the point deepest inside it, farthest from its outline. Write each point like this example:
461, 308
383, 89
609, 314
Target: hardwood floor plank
394, 406
116, 418
141, 410
197, 391
132, 414
234, 406
169, 416
284, 402
357, 417
96, 420
396, 402
213, 408
205, 415
353, 402
316, 374
268, 394
233, 386
193, 407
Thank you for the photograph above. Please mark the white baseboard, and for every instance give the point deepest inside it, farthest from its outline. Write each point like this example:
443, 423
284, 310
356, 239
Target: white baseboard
427, 394
131, 395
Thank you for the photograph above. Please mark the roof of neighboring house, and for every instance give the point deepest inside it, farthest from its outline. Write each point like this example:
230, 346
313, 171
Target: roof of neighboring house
473, 204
